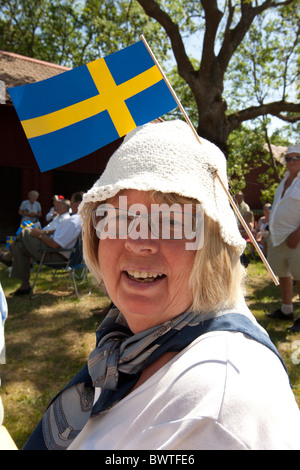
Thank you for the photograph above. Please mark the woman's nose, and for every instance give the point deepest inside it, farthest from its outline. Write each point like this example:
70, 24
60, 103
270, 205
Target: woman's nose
140, 239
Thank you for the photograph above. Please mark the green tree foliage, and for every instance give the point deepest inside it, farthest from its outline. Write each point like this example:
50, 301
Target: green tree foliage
248, 150
235, 42
72, 33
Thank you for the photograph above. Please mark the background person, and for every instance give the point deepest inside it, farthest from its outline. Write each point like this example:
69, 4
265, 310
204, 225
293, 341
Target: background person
262, 229
283, 243
31, 241
30, 209
180, 362
242, 205
53, 212
62, 213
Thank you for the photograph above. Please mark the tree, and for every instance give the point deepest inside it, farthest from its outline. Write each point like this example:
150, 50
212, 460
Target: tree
226, 25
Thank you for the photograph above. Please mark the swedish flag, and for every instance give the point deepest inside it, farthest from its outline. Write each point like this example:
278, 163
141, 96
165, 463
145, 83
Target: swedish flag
23, 225
79, 111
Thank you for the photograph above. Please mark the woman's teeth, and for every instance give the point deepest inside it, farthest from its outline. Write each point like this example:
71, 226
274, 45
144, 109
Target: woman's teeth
144, 276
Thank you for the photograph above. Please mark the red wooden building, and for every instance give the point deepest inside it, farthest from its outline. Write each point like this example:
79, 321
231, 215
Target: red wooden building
253, 189
19, 172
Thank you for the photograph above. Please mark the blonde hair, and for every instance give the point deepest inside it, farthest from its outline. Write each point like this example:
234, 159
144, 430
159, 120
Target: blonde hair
217, 277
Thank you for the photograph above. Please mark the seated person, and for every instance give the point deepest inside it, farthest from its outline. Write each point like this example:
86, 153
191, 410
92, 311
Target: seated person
62, 213
53, 211
30, 209
262, 230
30, 242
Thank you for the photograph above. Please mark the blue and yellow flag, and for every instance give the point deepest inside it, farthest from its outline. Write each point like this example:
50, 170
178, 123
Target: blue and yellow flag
70, 115
23, 225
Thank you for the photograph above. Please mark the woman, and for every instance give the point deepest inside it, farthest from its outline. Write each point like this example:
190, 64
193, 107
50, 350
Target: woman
30, 210
180, 362
284, 239
262, 230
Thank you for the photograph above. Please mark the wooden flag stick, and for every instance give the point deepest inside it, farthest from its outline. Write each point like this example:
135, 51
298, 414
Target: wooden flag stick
239, 215
171, 88
234, 206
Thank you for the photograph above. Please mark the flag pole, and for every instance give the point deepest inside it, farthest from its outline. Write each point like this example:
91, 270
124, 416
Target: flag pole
249, 233
171, 89
234, 206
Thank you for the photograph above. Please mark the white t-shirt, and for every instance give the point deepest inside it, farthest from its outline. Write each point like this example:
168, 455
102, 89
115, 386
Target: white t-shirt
224, 391
56, 221
67, 233
285, 213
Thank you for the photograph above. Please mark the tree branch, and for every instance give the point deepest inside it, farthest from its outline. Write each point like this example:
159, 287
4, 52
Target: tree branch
213, 17
276, 108
234, 37
184, 65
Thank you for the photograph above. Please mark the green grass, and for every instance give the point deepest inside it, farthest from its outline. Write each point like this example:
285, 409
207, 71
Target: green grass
263, 296
50, 337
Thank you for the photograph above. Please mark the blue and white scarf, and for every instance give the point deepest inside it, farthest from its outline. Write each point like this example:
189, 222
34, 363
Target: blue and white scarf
115, 365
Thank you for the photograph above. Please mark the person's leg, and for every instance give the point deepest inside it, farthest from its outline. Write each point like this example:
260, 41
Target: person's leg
286, 291
21, 252
21, 260
295, 328
278, 260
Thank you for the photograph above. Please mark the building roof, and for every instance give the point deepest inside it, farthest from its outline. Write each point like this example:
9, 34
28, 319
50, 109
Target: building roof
17, 70
278, 152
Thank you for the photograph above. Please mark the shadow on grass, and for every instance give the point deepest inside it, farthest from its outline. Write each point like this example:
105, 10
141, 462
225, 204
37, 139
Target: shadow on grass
46, 347
48, 340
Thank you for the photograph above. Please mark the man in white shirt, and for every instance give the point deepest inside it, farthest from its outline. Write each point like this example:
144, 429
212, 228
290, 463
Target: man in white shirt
52, 213
63, 213
30, 242
284, 246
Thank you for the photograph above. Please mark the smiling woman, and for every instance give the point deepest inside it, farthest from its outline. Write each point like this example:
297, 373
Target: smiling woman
180, 362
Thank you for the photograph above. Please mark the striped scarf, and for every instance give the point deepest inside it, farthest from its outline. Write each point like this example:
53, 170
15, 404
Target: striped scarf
115, 365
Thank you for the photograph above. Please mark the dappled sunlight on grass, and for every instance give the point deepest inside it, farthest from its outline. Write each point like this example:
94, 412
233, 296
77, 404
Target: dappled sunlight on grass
263, 296
48, 340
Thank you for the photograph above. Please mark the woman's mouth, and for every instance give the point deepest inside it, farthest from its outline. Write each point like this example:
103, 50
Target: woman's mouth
144, 276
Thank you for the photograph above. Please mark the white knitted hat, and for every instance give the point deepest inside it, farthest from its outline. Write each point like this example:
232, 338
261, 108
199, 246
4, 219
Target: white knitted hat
167, 157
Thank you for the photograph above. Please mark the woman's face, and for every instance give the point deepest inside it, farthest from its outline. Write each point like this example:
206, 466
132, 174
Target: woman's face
293, 166
32, 197
146, 278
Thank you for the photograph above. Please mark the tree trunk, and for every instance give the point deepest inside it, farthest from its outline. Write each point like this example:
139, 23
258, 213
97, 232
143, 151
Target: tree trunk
212, 122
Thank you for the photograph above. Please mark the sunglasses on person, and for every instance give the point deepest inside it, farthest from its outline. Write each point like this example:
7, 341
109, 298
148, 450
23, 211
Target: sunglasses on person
295, 158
